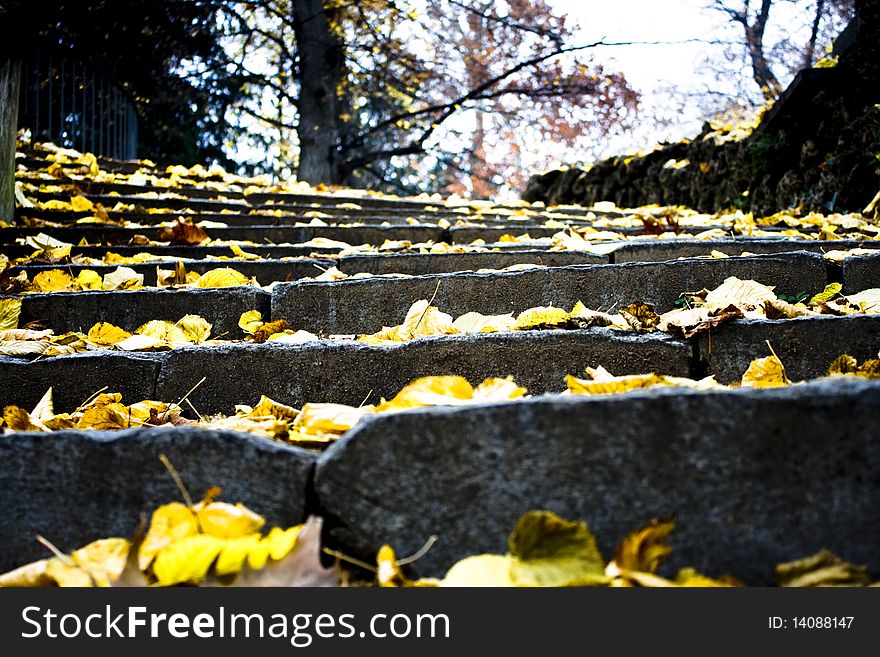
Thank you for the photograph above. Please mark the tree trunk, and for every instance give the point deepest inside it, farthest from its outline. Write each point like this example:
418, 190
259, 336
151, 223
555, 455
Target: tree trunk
322, 112
763, 74
10, 76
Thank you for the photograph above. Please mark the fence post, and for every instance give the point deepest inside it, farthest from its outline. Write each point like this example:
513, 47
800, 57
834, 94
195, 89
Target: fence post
10, 76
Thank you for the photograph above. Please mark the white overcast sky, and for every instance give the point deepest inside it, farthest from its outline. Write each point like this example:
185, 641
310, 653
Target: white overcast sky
651, 69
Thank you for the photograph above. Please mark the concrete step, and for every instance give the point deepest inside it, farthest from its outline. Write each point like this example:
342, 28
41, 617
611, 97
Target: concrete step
337, 371
753, 477
73, 487
366, 305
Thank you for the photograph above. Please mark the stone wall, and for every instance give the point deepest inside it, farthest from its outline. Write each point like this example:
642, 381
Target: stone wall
818, 148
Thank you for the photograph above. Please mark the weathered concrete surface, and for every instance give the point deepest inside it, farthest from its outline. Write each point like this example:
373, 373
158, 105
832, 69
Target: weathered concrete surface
806, 345
268, 271
755, 477
96, 233
860, 273
436, 263
658, 250
364, 306
265, 271
79, 311
74, 487
349, 373
76, 377
188, 252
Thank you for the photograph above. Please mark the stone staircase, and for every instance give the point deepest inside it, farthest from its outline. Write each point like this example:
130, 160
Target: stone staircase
754, 476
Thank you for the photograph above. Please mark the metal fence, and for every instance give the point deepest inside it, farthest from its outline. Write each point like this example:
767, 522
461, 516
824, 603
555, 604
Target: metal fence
73, 105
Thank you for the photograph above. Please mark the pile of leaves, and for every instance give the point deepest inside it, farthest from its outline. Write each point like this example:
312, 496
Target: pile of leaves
210, 543
315, 425
155, 335
215, 543
702, 311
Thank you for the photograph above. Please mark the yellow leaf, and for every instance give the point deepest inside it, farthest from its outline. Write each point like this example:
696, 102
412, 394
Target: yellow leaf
81, 204
318, 419
243, 254
187, 560
32, 574
89, 279
96, 564
104, 560
45, 408
480, 571
688, 577
53, 280
388, 573
551, 551
604, 383
250, 321
194, 328
281, 541
498, 389
831, 290
144, 410
170, 523
18, 419
768, 372
779, 309
477, 323
747, 295
423, 320
123, 278
267, 407
541, 318
104, 333
641, 316
142, 343
163, 330
644, 549
105, 418
235, 552
867, 301
821, 569
222, 277
430, 391
225, 520
844, 364
10, 310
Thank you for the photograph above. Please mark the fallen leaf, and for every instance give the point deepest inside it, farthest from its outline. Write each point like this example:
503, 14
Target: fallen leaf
747, 295
123, 278
183, 233
821, 569
768, 372
53, 280
541, 318
641, 316
250, 321
222, 277
831, 290
104, 333
81, 204
476, 323
644, 549
10, 311
423, 320
550, 551
195, 329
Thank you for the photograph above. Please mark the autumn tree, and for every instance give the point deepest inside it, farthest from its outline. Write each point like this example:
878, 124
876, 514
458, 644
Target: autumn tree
378, 93
778, 37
